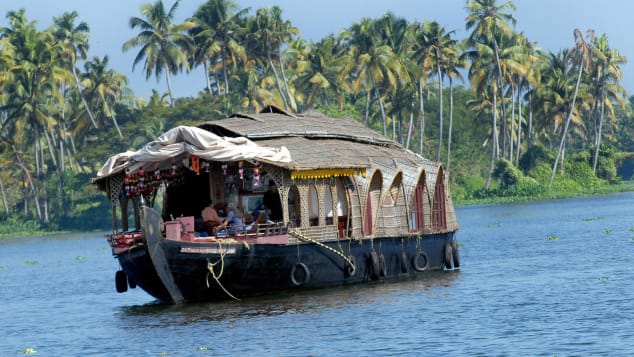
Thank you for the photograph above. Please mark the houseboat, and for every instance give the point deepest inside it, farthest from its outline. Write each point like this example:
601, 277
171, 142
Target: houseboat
318, 202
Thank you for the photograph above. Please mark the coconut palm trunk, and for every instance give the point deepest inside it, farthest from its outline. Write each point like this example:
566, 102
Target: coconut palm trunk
597, 143
83, 100
440, 107
383, 118
449, 130
409, 128
566, 124
519, 127
277, 80
5, 204
495, 146
168, 79
207, 80
29, 179
422, 115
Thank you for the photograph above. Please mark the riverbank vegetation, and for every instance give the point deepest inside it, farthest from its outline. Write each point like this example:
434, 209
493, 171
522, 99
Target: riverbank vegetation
507, 119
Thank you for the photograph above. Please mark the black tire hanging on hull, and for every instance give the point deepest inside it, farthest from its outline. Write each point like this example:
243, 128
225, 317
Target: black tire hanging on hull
121, 281
456, 255
420, 261
375, 267
303, 278
382, 266
404, 263
449, 264
351, 267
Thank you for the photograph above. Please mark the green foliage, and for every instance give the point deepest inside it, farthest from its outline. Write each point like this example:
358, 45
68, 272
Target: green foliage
465, 187
507, 173
14, 226
534, 156
606, 165
339, 84
514, 183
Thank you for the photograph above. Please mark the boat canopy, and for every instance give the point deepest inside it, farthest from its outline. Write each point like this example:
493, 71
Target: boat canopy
184, 141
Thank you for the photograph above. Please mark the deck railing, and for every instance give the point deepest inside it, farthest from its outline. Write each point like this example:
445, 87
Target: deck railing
318, 233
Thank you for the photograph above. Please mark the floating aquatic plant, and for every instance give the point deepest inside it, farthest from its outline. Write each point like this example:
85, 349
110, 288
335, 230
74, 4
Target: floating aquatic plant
203, 348
494, 225
80, 258
631, 229
606, 232
553, 237
30, 262
29, 351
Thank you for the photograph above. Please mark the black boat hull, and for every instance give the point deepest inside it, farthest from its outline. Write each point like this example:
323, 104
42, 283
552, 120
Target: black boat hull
218, 271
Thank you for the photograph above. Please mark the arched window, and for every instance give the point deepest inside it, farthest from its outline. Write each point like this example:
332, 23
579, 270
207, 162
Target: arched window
294, 207
372, 203
418, 211
330, 213
439, 210
313, 206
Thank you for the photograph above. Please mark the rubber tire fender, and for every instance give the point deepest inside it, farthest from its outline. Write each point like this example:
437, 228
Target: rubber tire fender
404, 265
382, 266
350, 269
121, 281
449, 264
417, 265
375, 267
306, 274
456, 255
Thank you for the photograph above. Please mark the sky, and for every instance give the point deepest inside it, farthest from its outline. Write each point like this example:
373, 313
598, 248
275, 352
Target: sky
549, 23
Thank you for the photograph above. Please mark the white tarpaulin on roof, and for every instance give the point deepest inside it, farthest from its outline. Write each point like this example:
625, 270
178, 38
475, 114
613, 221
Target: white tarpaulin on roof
194, 141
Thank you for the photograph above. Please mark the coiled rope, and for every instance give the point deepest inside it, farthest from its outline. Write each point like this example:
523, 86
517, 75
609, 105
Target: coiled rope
308, 239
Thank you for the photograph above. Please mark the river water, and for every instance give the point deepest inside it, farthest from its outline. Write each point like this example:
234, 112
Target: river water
538, 279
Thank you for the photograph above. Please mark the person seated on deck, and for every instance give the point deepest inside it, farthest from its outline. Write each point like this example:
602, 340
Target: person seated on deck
253, 227
210, 218
233, 222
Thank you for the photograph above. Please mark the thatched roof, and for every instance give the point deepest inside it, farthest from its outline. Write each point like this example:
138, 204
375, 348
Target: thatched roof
316, 141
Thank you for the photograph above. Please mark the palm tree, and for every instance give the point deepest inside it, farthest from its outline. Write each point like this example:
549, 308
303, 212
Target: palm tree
217, 37
526, 78
454, 62
32, 95
163, 43
491, 24
398, 35
580, 57
606, 76
267, 33
483, 75
376, 64
106, 87
439, 45
157, 100
321, 74
420, 69
74, 39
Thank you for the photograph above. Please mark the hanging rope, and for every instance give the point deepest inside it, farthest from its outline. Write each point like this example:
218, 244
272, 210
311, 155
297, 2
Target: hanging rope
210, 268
308, 239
